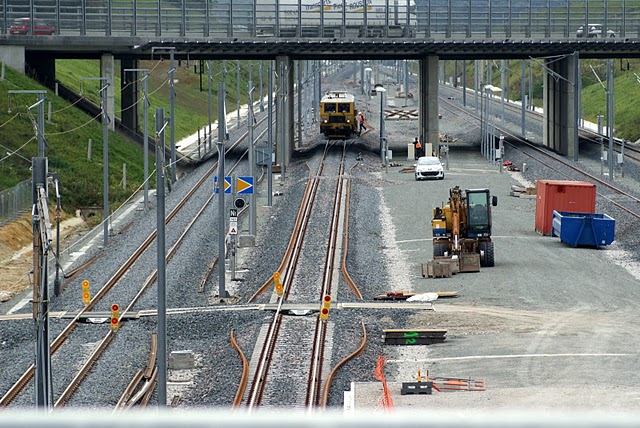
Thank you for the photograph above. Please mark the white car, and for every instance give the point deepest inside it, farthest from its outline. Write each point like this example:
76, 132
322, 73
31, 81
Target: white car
429, 167
594, 31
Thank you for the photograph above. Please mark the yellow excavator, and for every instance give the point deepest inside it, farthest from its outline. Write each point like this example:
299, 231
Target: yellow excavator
462, 228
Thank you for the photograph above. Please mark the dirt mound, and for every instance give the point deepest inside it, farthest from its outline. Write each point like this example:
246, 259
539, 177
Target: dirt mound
16, 252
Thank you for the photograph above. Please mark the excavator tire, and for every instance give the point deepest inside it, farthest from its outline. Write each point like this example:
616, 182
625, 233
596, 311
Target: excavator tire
488, 259
439, 250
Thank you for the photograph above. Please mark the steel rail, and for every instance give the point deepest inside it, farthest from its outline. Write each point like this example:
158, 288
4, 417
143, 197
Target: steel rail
75, 383
84, 370
292, 241
128, 392
345, 244
334, 372
61, 338
245, 372
288, 265
314, 380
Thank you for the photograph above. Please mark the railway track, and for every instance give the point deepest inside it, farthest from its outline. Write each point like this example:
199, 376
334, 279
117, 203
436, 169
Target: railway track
110, 285
304, 337
586, 135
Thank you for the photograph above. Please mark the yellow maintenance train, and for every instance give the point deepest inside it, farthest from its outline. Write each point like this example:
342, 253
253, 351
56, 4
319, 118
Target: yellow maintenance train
338, 115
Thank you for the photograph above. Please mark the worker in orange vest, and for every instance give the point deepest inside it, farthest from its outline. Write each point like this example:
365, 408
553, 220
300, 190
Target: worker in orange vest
418, 146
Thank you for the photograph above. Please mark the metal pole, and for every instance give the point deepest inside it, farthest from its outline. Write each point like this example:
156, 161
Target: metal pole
464, 83
270, 134
299, 95
261, 85
145, 90
381, 125
252, 163
406, 82
210, 103
523, 99
105, 161
41, 143
42, 379
475, 78
172, 117
502, 67
221, 219
576, 105
281, 120
610, 115
238, 100
56, 282
161, 254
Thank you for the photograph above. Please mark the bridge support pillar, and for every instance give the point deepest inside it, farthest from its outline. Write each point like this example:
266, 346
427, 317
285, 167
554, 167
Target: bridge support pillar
129, 94
561, 107
42, 67
107, 71
284, 74
13, 56
428, 104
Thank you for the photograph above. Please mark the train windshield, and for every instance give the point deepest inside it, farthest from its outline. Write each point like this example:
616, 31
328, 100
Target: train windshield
329, 108
344, 108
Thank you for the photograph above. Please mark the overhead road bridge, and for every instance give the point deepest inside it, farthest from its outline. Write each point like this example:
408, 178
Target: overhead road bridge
288, 30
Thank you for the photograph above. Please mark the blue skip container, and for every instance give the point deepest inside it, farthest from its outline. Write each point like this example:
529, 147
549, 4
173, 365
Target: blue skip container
593, 230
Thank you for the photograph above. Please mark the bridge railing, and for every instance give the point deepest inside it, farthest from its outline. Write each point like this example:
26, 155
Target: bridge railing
437, 19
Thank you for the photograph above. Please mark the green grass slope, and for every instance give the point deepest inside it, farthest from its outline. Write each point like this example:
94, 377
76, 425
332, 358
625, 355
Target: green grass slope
67, 137
191, 104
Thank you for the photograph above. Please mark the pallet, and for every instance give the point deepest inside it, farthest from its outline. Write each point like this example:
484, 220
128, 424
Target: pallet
436, 269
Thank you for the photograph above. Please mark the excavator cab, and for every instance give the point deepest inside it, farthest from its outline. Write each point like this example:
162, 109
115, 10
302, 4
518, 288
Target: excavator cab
479, 212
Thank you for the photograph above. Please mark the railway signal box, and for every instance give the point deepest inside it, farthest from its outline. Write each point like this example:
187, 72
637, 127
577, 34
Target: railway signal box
326, 304
86, 294
278, 284
115, 315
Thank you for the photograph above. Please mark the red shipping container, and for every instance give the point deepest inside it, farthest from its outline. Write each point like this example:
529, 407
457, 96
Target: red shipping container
561, 195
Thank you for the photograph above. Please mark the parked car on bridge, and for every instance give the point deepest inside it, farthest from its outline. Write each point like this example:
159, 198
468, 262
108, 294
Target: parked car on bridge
594, 31
40, 27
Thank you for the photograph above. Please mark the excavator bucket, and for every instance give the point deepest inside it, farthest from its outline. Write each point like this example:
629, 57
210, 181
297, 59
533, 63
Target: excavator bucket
469, 262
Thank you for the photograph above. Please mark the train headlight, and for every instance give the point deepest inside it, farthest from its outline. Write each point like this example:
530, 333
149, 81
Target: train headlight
325, 121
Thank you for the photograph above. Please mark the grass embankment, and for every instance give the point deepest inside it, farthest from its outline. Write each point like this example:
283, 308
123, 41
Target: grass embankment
67, 137
191, 105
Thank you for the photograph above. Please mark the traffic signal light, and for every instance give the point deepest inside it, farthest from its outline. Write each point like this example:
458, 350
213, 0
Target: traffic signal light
239, 203
278, 284
115, 315
86, 294
324, 311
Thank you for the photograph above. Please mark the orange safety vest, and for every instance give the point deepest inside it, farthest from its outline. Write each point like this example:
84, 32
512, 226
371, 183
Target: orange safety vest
418, 145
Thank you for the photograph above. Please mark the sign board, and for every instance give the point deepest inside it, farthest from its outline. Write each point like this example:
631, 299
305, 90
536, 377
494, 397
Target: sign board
244, 185
233, 228
263, 157
233, 213
227, 184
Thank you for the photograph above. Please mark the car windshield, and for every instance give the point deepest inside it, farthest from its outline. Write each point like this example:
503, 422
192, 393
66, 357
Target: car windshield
18, 22
428, 161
